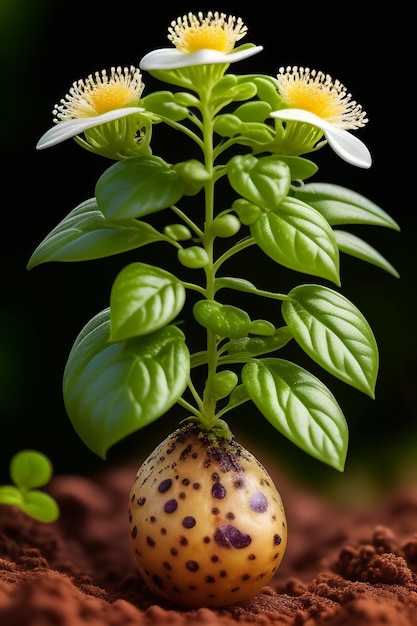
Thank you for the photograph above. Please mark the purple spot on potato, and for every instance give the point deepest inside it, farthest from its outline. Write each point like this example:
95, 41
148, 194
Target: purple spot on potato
192, 566
258, 502
218, 491
231, 537
170, 506
277, 540
188, 521
165, 485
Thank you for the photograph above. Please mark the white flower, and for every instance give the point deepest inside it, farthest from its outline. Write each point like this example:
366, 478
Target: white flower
315, 99
200, 40
97, 100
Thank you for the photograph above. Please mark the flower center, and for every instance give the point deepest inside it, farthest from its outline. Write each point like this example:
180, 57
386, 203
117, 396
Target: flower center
316, 92
205, 37
313, 98
100, 93
216, 31
108, 97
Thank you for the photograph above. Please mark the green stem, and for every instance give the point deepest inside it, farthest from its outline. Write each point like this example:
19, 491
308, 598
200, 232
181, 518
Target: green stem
241, 245
197, 231
194, 287
209, 401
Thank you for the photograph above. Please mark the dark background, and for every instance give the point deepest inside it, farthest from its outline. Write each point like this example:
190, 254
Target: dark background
46, 45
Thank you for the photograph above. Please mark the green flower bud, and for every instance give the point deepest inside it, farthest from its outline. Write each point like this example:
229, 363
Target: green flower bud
223, 384
225, 226
227, 125
194, 257
262, 327
186, 99
193, 174
178, 232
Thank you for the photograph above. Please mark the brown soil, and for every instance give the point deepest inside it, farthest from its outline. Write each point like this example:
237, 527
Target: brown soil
341, 567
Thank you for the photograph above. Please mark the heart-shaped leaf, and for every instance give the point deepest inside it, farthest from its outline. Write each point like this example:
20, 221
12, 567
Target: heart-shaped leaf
298, 405
334, 333
143, 298
40, 505
298, 237
113, 389
30, 468
265, 181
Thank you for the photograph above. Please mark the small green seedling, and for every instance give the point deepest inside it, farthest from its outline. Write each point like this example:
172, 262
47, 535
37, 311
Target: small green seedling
30, 469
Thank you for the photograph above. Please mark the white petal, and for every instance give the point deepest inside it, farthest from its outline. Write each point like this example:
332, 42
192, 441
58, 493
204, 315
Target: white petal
347, 146
171, 58
65, 130
300, 115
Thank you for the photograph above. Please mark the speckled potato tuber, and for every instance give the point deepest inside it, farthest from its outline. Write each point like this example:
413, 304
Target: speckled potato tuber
207, 525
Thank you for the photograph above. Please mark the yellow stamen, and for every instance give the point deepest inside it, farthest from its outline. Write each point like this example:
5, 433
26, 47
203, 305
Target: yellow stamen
216, 31
302, 88
101, 93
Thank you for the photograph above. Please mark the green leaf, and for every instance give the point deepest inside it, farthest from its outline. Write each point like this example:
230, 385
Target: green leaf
223, 319
299, 406
224, 85
343, 206
265, 181
239, 284
238, 396
9, 494
254, 111
193, 175
298, 237
39, 505
164, 104
143, 299
255, 346
227, 125
334, 333
85, 234
256, 134
29, 468
262, 327
137, 187
353, 245
112, 390
266, 89
300, 167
